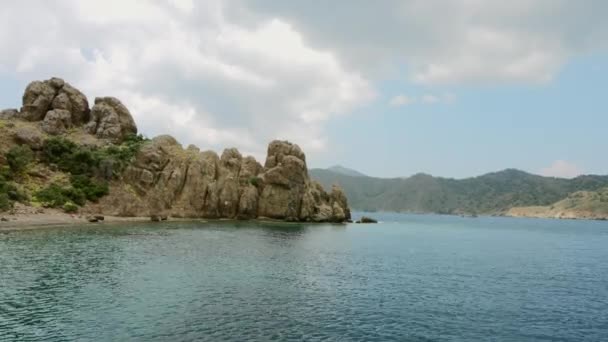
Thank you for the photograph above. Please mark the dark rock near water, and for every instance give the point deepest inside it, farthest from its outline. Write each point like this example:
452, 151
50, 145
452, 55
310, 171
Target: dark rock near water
366, 219
92, 219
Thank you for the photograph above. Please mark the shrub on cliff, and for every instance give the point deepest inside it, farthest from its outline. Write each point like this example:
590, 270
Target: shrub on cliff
93, 190
9, 193
5, 202
81, 160
18, 158
70, 207
55, 196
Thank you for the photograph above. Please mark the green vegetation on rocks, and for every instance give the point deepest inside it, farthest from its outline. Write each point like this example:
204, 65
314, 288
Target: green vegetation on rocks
18, 158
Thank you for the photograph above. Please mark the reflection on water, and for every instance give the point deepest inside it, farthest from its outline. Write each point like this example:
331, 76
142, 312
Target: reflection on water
413, 278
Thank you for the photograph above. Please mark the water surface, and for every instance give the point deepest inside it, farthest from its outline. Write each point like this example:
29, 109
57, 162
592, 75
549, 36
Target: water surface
410, 278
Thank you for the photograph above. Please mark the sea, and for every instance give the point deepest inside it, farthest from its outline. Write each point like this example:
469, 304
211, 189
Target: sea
407, 278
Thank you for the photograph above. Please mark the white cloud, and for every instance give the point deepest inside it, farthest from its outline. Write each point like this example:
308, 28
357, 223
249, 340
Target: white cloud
401, 100
185, 69
562, 169
243, 72
477, 41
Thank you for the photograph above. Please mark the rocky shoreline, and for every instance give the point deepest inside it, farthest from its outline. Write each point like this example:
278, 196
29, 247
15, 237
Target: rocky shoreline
161, 178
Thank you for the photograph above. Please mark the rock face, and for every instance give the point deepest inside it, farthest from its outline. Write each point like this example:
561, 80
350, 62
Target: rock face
110, 119
7, 114
166, 179
59, 107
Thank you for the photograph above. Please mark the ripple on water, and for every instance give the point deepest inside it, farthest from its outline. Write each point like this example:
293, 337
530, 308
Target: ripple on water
421, 279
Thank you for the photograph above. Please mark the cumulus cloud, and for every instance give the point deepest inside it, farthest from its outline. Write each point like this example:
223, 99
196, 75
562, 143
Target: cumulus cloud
452, 41
184, 68
242, 72
562, 169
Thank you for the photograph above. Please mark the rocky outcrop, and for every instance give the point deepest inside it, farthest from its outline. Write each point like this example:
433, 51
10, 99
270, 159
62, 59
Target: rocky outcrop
41, 97
166, 179
59, 107
7, 114
110, 119
29, 136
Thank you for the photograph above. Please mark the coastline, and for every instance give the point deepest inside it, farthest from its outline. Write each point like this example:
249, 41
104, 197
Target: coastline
56, 218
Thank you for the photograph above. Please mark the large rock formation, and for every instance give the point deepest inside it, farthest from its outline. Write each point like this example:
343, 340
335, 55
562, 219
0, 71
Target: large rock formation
164, 179
110, 119
60, 107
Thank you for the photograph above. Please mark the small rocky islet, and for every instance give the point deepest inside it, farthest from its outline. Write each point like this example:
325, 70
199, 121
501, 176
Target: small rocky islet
161, 179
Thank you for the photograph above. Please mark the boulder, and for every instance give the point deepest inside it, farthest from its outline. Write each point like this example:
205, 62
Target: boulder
29, 136
92, 219
110, 119
42, 97
37, 99
71, 99
7, 114
57, 121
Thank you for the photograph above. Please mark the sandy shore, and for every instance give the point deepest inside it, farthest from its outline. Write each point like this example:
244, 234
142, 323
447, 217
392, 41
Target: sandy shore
51, 219
32, 218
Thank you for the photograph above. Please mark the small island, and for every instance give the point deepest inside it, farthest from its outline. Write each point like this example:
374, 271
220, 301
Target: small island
57, 153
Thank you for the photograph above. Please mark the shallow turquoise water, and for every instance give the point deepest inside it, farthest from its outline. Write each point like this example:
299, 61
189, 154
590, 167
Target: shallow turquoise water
411, 278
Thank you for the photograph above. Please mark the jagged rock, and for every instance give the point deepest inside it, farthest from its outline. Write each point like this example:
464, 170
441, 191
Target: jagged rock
340, 203
42, 97
71, 99
248, 203
7, 114
37, 99
323, 214
57, 121
110, 119
29, 136
284, 181
166, 179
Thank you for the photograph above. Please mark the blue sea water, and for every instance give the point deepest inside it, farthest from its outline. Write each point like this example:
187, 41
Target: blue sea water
409, 278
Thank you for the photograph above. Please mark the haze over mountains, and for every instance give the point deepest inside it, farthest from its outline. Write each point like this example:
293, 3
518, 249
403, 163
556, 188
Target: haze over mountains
492, 193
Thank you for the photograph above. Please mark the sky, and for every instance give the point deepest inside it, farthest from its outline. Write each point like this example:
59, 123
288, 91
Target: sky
453, 88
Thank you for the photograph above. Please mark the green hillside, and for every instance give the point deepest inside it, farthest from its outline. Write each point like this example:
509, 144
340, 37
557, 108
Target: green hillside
492, 193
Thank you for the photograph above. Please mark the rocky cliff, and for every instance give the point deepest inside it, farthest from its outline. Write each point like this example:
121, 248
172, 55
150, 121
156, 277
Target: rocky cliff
165, 179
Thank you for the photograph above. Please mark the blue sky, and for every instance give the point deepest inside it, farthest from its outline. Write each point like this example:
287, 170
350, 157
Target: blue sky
453, 88
484, 128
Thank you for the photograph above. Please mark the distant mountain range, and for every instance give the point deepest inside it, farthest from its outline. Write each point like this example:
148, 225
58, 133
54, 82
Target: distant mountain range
346, 171
492, 193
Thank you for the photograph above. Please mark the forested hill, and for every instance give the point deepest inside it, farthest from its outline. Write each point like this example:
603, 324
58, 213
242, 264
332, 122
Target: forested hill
492, 193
